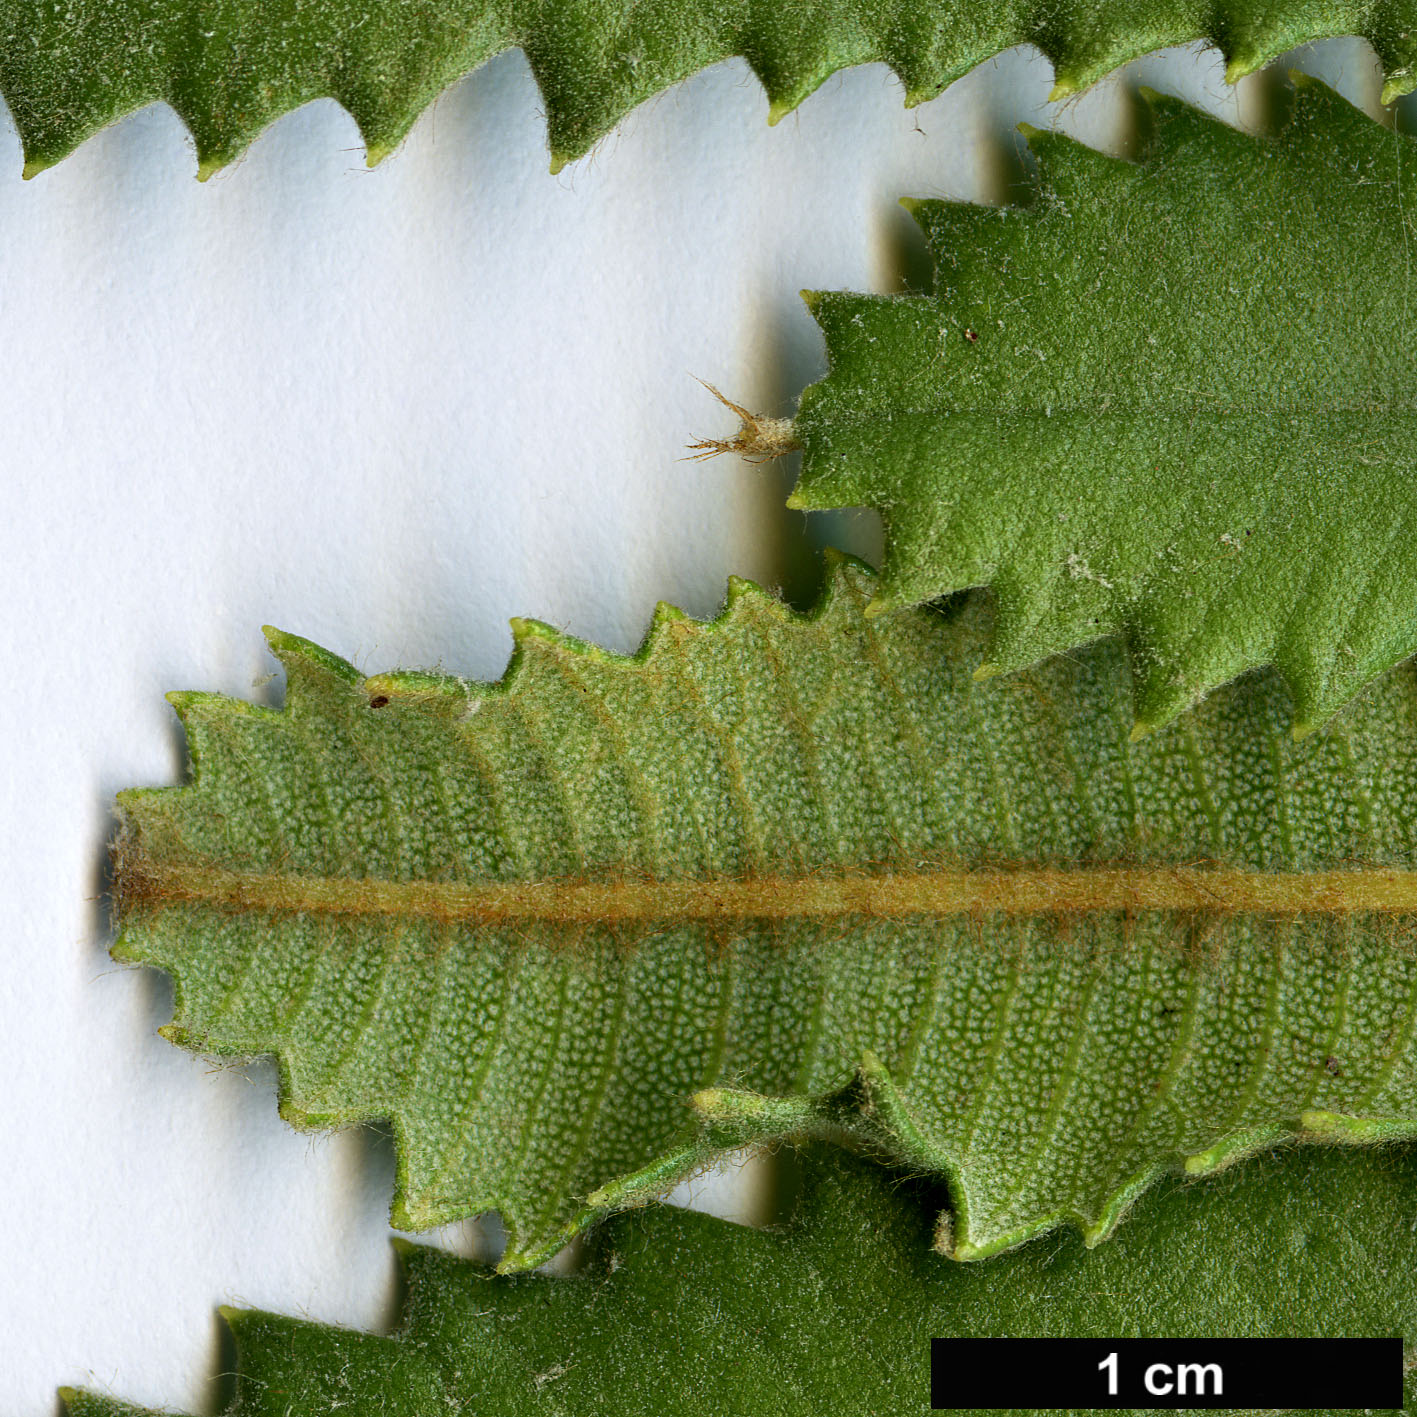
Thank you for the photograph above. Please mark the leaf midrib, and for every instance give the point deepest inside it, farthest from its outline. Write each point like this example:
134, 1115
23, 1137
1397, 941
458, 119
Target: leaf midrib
881, 894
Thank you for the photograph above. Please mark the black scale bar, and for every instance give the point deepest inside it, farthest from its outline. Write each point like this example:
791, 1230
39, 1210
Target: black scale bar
1202, 1373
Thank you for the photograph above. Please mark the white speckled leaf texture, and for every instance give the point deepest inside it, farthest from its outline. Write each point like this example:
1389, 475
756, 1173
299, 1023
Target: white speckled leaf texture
779, 874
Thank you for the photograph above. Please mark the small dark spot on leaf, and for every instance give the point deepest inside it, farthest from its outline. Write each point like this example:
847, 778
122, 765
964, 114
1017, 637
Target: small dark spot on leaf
379, 701
1331, 1066
971, 337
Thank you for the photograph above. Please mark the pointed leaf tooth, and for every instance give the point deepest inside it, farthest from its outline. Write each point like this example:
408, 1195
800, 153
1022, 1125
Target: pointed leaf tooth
205, 719
406, 1252
666, 615
741, 591
1398, 84
437, 691
1083, 54
1026, 627
744, 1116
1365, 1131
78, 1403
984, 1244
1162, 701
1235, 1148
189, 704
535, 643
303, 660
1172, 123
652, 1182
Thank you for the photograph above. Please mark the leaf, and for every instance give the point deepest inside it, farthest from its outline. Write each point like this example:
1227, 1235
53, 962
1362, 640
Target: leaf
801, 871
681, 1313
1172, 398
230, 69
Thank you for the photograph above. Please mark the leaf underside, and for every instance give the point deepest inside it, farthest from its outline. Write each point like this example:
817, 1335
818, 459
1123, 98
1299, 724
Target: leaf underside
1172, 399
229, 70
577, 933
683, 1314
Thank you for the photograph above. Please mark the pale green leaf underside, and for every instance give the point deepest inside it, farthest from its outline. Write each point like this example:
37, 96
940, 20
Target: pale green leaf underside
685, 1315
230, 67
1172, 398
751, 866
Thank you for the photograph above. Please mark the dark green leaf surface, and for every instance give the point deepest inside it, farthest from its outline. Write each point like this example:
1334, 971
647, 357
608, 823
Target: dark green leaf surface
1173, 399
230, 67
683, 1314
577, 932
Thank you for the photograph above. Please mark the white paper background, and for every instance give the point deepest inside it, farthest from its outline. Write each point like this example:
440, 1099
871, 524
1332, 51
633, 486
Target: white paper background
385, 410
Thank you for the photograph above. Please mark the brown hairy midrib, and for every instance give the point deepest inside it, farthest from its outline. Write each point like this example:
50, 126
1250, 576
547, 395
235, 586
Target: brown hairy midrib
933, 891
